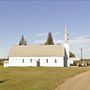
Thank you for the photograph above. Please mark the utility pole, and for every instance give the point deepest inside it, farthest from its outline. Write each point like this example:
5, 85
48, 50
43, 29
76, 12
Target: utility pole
81, 53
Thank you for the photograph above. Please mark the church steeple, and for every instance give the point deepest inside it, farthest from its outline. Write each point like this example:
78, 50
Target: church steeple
66, 45
66, 35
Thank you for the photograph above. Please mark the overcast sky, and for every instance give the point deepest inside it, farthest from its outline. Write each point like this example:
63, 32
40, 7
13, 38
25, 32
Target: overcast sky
35, 18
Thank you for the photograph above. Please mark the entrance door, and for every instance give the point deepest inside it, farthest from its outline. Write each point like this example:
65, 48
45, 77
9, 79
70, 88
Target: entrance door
38, 63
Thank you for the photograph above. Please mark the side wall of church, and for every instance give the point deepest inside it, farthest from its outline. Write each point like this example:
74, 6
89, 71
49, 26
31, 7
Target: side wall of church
36, 61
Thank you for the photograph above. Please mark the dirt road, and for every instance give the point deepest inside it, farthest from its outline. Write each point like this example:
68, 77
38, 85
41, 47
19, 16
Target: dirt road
79, 82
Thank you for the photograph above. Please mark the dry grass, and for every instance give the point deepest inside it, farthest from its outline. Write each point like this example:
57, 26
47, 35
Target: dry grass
35, 78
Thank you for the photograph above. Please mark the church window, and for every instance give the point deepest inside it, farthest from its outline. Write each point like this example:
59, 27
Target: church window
55, 61
46, 60
22, 60
30, 60
39, 60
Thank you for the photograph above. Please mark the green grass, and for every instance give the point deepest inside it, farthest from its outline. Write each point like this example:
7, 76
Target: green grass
35, 78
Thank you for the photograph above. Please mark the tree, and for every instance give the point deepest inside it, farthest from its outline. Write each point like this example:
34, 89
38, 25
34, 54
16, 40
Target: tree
71, 54
22, 41
49, 39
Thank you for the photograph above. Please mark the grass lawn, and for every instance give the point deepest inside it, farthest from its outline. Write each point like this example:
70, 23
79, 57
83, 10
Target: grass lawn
35, 78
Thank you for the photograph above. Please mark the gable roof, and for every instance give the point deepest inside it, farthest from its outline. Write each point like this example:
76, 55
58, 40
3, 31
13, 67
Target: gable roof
37, 51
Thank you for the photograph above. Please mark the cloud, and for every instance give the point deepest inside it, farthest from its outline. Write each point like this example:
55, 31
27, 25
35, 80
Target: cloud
83, 37
41, 34
56, 41
39, 41
55, 33
81, 42
45, 34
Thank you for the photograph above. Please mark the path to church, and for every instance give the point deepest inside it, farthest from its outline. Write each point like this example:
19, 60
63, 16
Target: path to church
79, 82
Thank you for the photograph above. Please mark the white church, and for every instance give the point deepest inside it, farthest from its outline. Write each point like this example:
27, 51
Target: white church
40, 55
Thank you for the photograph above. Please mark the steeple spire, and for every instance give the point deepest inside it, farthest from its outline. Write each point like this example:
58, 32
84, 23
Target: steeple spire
66, 35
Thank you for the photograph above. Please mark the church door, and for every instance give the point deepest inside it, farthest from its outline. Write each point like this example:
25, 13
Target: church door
38, 63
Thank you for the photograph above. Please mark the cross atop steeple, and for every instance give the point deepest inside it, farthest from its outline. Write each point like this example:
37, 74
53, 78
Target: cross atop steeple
66, 35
